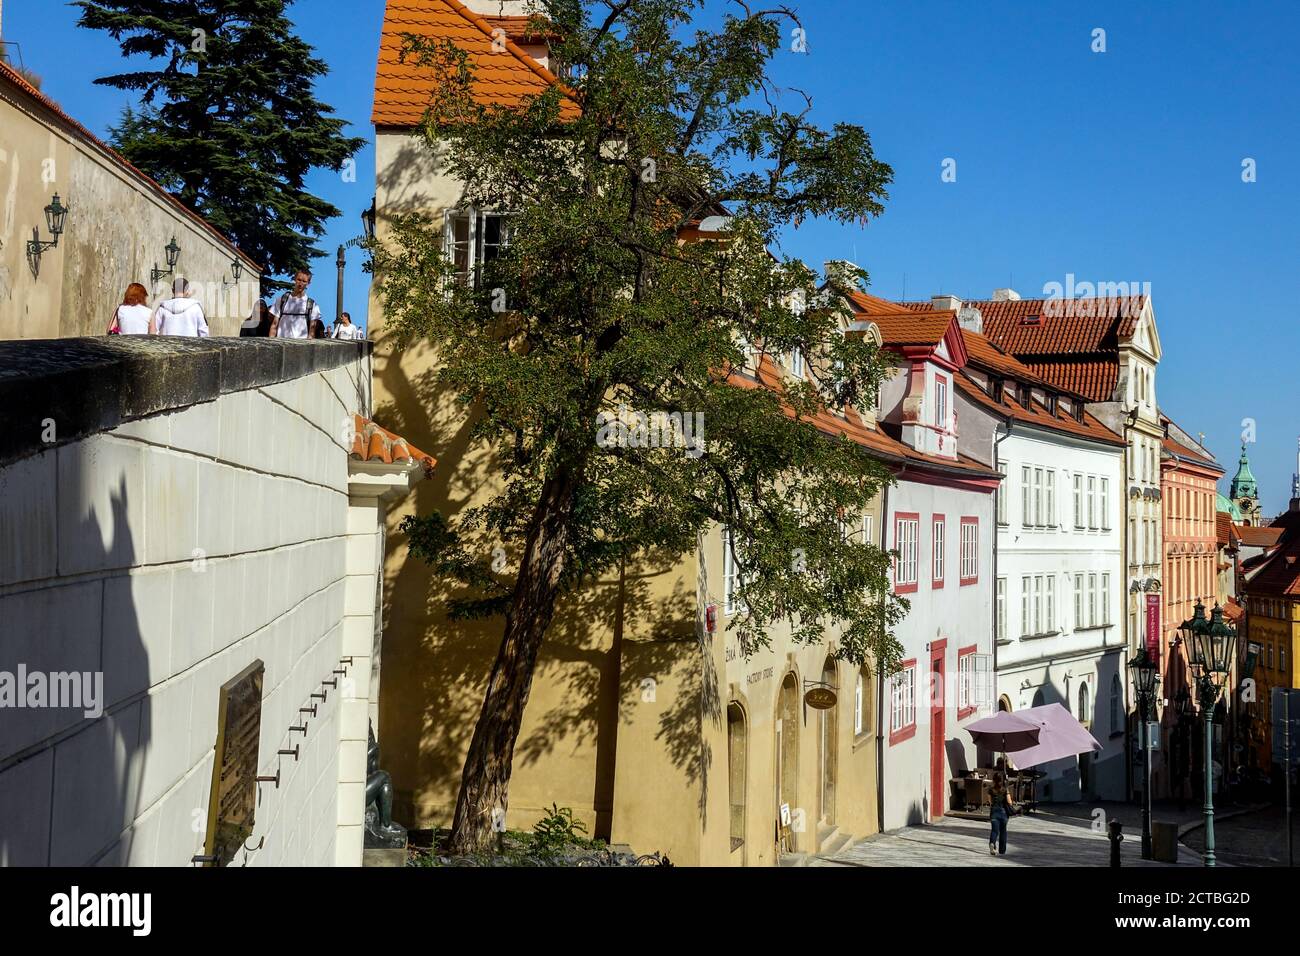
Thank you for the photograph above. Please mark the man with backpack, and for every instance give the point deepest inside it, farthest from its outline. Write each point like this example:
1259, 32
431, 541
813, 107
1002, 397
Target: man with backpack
294, 312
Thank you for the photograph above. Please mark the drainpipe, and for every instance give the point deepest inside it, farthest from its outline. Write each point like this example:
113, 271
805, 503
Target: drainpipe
996, 526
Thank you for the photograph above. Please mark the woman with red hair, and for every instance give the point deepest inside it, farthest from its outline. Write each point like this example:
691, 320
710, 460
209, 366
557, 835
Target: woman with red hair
133, 316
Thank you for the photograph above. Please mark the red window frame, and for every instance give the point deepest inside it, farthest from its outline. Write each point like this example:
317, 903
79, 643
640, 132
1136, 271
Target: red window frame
961, 577
908, 587
941, 521
970, 708
908, 730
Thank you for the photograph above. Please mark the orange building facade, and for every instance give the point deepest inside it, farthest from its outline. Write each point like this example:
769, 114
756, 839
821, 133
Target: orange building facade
1188, 478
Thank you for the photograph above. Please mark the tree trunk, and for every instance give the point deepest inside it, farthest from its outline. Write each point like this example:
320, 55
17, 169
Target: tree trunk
485, 780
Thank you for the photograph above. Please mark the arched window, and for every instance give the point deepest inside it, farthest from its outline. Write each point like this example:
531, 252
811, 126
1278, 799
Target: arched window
1085, 710
1116, 703
736, 754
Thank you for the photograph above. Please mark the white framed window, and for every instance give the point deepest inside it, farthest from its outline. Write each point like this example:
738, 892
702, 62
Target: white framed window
731, 600
1079, 620
868, 529
970, 566
965, 681
1105, 598
1038, 498
1049, 508
1038, 604
796, 363
857, 706
1092, 502
902, 709
905, 540
941, 401
1026, 494
1002, 609
1092, 600
937, 543
475, 237
1078, 502
1026, 599
1049, 597
1002, 493
1105, 504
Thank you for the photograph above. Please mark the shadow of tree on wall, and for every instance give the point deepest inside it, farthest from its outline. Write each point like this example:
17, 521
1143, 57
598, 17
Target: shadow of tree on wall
90, 768
434, 670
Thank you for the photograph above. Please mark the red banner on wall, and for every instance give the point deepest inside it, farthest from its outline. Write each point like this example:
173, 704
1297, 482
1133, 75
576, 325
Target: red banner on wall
1153, 626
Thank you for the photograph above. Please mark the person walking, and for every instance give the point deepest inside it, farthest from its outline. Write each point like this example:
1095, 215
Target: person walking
998, 814
344, 329
182, 314
294, 311
258, 324
133, 316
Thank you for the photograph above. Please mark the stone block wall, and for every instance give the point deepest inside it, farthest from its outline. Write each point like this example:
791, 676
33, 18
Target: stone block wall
166, 552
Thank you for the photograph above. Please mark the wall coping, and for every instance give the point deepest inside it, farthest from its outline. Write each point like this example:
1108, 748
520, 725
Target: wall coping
91, 385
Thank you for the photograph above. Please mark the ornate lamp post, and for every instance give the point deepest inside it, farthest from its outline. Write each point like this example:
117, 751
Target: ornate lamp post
1212, 645
1146, 675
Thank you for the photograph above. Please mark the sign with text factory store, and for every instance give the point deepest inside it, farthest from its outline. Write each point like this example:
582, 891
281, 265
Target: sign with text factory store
233, 798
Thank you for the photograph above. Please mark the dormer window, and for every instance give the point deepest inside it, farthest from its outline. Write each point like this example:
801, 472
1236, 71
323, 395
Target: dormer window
1078, 410
1051, 403
995, 389
941, 401
1023, 395
1031, 320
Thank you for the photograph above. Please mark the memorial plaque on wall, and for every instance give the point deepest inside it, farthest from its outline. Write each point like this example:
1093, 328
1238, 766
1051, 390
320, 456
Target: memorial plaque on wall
233, 798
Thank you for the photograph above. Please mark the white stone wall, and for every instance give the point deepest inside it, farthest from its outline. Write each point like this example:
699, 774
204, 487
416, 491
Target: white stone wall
168, 554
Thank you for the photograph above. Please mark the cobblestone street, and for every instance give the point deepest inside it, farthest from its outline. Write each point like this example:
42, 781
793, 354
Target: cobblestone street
1040, 839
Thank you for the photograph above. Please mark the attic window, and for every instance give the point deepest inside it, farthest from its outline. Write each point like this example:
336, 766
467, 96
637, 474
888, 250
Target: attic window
1078, 410
1051, 403
1023, 395
1031, 320
995, 389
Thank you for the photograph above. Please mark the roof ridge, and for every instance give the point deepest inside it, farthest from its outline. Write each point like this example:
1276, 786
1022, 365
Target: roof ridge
523, 57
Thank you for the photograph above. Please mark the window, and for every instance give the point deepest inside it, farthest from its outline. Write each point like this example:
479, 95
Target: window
966, 695
1092, 600
1026, 492
1085, 709
1049, 512
857, 705
1132, 540
1002, 493
1105, 598
1105, 504
1002, 609
1049, 616
1079, 620
1038, 604
732, 601
941, 401
902, 707
736, 753
473, 238
1026, 617
796, 363
905, 533
1092, 502
868, 529
1039, 519
937, 542
1078, 502
1116, 704
970, 530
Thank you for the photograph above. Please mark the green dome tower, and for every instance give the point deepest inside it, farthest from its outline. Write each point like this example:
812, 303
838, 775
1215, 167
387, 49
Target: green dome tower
1244, 491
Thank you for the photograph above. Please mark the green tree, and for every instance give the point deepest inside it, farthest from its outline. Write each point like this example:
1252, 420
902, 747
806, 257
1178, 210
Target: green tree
597, 302
228, 120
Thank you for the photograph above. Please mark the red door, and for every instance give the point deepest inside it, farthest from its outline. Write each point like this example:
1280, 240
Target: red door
938, 778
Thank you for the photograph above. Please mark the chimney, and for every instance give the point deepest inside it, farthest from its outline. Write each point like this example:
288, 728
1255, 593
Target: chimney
945, 303
1006, 295
842, 274
971, 319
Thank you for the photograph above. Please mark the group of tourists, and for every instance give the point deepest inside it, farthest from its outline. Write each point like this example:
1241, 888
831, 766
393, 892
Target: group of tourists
291, 315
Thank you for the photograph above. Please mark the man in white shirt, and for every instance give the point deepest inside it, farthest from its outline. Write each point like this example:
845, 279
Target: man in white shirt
181, 314
344, 329
294, 312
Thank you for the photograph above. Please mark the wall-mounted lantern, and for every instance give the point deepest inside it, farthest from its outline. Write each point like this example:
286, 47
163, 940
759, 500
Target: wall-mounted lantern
173, 252
368, 220
236, 270
55, 217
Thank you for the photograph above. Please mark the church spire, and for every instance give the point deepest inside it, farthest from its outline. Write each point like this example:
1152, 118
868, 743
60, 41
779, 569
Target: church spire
1243, 483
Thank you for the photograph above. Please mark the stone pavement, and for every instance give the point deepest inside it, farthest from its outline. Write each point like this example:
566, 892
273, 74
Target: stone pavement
1037, 839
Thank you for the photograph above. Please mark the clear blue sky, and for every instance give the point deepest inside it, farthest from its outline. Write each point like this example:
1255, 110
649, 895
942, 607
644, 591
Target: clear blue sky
1117, 166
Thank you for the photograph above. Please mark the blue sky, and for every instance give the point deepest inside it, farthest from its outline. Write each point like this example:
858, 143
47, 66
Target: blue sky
1117, 166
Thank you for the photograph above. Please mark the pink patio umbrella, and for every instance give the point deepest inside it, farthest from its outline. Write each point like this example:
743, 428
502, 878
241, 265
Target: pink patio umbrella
1060, 735
1004, 732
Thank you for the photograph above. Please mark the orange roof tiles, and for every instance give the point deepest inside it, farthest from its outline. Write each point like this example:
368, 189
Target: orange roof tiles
1037, 414
1180, 450
372, 443
501, 77
11, 77
1255, 537
1095, 380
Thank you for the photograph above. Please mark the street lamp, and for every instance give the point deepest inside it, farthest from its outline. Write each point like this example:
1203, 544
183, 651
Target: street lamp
368, 220
173, 253
1212, 645
1146, 675
55, 214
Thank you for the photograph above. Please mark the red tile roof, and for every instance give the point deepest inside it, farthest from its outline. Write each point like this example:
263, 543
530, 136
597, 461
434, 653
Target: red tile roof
1095, 380
12, 78
1223, 529
1255, 537
1037, 414
1196, 457
370, 442
500, 77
